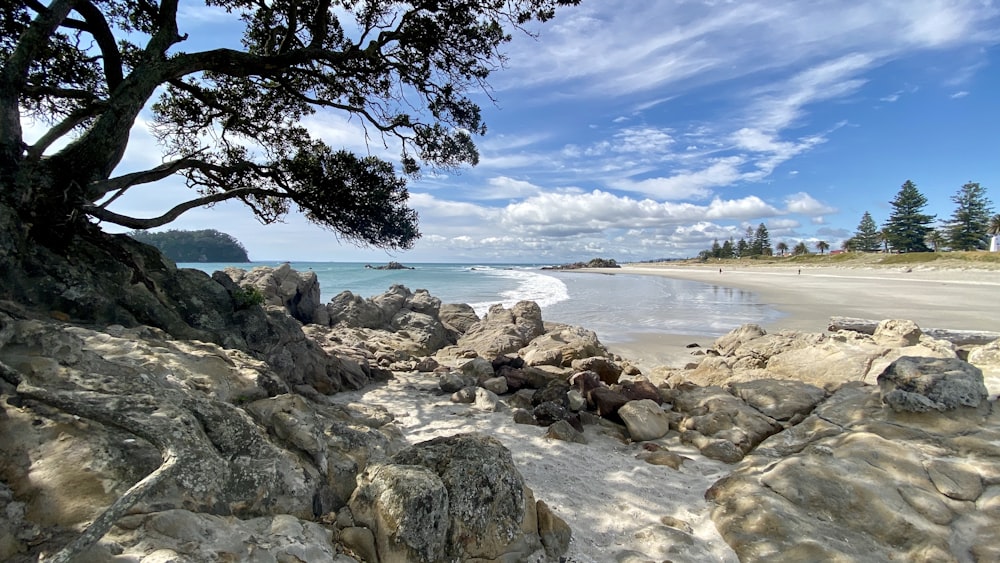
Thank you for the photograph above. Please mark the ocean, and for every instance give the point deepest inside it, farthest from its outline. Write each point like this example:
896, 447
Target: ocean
615, 306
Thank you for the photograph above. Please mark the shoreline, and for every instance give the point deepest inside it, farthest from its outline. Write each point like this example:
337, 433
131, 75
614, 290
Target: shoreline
807, 297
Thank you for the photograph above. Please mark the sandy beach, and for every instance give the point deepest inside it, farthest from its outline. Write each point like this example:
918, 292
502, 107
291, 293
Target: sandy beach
947, 298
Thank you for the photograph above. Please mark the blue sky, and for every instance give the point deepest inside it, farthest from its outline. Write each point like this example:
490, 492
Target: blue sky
640, 130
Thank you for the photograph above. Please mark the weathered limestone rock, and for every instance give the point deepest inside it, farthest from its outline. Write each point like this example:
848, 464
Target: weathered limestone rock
404, 320
922, 384
716, 414
457, 318
857, 481
644, 419
563, 430
503, 331
561, 345
181, 535
298, 292
452, 497
780, 400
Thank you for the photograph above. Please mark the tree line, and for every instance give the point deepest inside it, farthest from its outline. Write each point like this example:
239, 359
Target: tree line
206, 245
908, 229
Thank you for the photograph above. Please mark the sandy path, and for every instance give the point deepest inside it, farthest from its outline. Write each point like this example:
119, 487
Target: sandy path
612, 501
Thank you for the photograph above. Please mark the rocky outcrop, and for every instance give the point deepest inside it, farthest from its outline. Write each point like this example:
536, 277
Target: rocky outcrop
455, 498
593, 263
389, 266
824, 360
503, 330
298, 292
857, 480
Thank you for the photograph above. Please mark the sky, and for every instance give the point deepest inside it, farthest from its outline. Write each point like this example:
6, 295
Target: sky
645, 130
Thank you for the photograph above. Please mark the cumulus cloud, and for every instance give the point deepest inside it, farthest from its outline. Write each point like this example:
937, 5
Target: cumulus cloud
805, 204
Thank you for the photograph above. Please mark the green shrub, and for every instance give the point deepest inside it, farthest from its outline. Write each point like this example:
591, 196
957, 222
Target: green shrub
246, 297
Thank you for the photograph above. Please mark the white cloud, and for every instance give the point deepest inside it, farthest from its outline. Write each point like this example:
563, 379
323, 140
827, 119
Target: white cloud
805, 204
958, 95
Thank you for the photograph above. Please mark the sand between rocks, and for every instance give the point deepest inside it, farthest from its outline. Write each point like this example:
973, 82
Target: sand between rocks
613, 502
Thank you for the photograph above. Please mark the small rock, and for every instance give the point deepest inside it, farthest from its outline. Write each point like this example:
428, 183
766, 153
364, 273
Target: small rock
663, 457
464, 395
563, 430
496, 385
554, 531
549, 412
575, 400
644, 419
523, 416
487, 400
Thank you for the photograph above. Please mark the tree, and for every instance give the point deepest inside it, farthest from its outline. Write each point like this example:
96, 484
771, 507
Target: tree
866, 237
782, 248
800, 249
716, 251
907, 227
229, 119
936, 239
822, 246
742, 248
727, 249
761, 245
994, 228
206, 245
970, 222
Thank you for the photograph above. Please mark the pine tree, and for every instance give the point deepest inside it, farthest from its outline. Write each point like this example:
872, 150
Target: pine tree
762, 242
907, 227
866, 238
716, 249
727, 249
970, 222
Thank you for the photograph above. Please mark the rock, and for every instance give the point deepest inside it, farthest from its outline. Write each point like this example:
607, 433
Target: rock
856, 481
182, 535
606, 369
780, 400
427, 365
715, 413
452, 381
554, 532
478, 369
644, 419
722, 450
466, 395
497, 385
895, 333
549, 412
606, 401
562, 344
406, 507
458, 318
921, 384
477, 511
575, 401
487, 401
524, 416
663, 457
503, 331
361, 541
586, 381
638, 390
727, 344
563, 430
298, 292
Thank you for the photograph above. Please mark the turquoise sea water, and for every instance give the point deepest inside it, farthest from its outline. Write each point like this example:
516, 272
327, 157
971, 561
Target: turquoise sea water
615, 306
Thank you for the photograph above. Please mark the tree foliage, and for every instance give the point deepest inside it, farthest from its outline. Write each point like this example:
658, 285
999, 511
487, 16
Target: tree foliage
866, 238
800, 249
822, 246
907, 227
967, 229
229, 119
206, 245
761, 243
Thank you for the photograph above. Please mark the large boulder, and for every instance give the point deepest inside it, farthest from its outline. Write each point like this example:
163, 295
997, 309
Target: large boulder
856, 481
561, 344
399, 320
920, 384
457, 497
503, 330
712, 415
296, 291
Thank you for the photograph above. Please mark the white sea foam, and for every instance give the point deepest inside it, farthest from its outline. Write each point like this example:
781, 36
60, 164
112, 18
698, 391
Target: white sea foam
531, 285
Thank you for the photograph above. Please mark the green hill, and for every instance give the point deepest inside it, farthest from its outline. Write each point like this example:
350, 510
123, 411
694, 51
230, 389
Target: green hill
207, 245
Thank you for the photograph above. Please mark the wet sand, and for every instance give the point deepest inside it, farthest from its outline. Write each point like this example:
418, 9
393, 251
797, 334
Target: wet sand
965, 299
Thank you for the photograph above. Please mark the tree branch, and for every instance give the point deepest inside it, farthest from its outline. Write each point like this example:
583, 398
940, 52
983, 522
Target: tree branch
178, 210
98, 27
